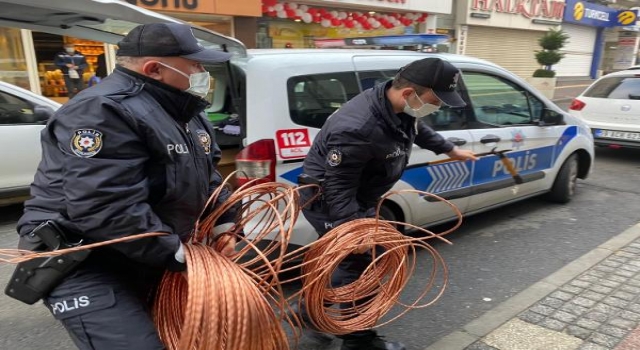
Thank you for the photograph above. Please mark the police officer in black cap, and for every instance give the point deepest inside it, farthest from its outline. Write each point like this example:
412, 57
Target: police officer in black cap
131, 155
362, 151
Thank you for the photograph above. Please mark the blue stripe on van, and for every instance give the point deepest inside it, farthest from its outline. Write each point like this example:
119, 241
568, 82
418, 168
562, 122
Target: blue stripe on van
450, 176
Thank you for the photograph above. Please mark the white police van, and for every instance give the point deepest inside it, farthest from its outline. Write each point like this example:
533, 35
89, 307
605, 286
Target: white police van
290, 93
268, 106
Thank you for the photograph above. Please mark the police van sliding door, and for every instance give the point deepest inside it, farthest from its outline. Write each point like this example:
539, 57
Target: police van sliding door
442, 178
504, 119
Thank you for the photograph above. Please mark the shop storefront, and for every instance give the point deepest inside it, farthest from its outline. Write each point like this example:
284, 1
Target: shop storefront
27, 58
586, 23
300, 24
216, 15
13, 58
236, 18
505, 32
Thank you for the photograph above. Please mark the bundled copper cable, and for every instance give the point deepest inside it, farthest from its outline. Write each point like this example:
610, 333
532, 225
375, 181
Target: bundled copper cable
232, 303
223, 309
365, 301
225, 303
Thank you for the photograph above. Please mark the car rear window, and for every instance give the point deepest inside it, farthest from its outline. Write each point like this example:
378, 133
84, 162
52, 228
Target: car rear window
625, 88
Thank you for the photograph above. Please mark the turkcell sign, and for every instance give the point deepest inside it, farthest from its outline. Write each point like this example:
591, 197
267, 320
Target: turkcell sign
594, 15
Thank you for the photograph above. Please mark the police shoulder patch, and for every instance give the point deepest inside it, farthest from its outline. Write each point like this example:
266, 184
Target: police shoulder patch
334, 157
86, 143
205, 140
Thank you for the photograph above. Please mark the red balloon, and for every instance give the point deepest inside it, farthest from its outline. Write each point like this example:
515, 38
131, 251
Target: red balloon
312, 11
269, 2
290, 13
327, 15
336, 22
272, 14
388, 25
349, 24
317, 18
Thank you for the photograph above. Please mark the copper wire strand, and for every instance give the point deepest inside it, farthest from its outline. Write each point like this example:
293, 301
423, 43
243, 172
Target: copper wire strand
237, 302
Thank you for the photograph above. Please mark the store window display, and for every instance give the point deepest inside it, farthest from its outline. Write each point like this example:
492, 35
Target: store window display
13, 65
53, 76
72, 64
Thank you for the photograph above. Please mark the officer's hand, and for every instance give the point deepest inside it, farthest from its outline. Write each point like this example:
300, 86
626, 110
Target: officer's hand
461, 154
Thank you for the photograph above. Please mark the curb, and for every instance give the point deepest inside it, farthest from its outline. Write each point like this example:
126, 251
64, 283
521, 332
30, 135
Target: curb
494, 318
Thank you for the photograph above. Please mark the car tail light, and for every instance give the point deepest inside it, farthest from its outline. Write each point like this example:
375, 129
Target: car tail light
257, 161
577, 105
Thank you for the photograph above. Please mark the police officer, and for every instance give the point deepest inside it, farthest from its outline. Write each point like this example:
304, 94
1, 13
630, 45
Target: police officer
131, 155
362, 151
72, 63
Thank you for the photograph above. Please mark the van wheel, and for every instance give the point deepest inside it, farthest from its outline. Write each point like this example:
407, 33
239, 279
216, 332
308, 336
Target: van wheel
564, 186
387, 214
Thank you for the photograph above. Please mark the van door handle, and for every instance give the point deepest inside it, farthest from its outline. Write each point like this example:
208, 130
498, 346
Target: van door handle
457, 141
490, 139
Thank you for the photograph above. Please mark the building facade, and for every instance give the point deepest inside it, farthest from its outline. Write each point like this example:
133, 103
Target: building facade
505, 32
589, 27
299, 24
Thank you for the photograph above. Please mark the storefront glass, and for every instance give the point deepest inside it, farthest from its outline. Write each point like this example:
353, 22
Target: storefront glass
13, 64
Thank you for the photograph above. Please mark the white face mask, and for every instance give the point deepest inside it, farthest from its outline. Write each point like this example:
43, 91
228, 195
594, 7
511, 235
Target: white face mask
424, 110
70, 49
199, 83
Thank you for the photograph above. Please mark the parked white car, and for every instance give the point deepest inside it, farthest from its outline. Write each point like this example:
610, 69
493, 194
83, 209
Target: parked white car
23, 115
268, 105
611, 108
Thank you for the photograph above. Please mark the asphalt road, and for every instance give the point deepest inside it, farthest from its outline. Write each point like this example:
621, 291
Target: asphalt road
494, 256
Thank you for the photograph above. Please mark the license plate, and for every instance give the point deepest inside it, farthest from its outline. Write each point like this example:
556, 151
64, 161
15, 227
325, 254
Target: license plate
621, 135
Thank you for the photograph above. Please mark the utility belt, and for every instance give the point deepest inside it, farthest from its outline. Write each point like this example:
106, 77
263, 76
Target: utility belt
34, 279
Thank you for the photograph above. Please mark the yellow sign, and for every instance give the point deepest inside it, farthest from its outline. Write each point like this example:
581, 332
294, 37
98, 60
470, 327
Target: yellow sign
578, 11
626, 17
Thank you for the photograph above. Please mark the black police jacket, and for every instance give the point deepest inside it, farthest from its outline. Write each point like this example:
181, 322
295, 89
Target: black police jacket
128, 156
362, 151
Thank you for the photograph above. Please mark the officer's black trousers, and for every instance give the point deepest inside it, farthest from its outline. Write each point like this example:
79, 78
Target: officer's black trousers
106, 310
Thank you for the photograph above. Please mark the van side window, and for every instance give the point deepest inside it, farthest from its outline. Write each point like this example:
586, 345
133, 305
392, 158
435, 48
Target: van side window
450, 118
14, 110
447, 118
369, 79
497, 102
313, 98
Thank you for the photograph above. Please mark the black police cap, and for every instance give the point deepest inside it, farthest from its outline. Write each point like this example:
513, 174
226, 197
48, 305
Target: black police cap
438, 75
168, 39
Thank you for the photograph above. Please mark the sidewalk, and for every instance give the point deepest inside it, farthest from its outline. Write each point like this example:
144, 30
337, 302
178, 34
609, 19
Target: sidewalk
593, 303
568, 89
